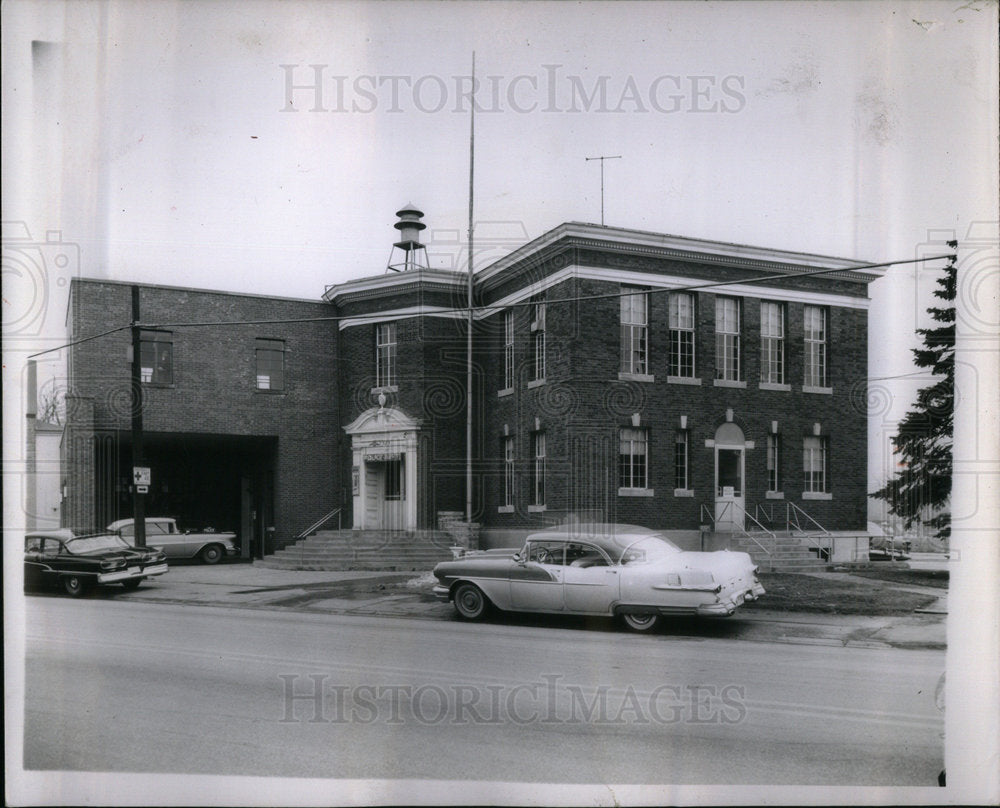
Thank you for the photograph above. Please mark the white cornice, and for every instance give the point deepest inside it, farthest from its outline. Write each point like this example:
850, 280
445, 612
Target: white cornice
402, 314
389, 280
673, 282
665, 245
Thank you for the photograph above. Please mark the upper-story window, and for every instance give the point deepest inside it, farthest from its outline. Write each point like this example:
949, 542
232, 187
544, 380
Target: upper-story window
681, 324
508, 350
773, 463
633, 465
156, 357
634, 325
538, 342
727, 338
814, 329
681, 468
385, 355
270, 364
772, 343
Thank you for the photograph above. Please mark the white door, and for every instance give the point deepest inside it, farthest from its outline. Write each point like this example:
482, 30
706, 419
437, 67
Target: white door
394, 494
730, 497
374, 485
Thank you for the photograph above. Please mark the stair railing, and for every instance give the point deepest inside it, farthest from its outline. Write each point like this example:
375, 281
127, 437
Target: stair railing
792, 516
322, 521
707, 513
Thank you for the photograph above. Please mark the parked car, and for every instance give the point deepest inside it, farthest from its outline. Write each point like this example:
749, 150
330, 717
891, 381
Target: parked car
888, 548
162, 532
614, 570
79, 561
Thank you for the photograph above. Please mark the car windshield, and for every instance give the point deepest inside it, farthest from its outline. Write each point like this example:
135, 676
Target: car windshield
93, 544
648, 548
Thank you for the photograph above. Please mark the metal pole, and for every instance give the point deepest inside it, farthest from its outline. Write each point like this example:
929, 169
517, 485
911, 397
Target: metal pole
468, 342
138, 500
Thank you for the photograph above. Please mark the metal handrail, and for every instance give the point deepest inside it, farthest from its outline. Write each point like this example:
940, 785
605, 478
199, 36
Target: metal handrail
792, 512
742, 531
315, 525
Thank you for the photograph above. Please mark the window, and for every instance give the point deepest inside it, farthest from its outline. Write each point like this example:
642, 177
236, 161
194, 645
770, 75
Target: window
385, 355
633, 317
727, 339
681, 459
395, 481
508, 350
508, 472
156, 357
773, 465
632, 463
538, 334
814, 329
772, 343
538, 470
270, 364
814, 464
681, 323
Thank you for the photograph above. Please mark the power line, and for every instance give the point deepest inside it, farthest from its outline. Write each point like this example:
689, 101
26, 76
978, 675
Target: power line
379, 317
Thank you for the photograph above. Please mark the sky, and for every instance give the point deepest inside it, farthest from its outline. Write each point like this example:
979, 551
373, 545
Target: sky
265, 147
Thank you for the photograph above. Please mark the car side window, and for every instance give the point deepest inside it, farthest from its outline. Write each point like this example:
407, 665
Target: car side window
157, 528
585, 556
547, 552
33, 545
127, 530
51, 547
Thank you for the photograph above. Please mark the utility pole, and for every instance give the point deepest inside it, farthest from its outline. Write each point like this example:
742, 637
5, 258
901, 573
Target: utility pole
602, 159
138, 499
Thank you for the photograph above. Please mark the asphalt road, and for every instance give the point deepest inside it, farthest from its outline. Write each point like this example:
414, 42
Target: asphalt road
135, 687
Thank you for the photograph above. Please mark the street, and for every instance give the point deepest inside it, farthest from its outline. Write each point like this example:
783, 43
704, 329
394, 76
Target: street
136, 687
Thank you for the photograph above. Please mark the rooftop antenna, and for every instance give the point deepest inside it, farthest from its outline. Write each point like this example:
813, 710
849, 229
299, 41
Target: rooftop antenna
602, 159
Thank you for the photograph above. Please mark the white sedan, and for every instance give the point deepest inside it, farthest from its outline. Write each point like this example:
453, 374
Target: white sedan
613, 570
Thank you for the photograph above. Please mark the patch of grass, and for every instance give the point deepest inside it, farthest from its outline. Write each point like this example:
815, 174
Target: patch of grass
788, 592
904, 575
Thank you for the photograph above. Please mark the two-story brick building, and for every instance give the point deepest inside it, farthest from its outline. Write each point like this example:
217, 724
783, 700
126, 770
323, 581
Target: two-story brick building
618, 375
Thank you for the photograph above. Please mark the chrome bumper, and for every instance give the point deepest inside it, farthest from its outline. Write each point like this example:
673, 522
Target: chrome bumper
131, 572
441, 593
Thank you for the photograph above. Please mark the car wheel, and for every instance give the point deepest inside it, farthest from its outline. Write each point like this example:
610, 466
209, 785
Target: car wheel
75, 585
470, 602
641, 622
211, 554
131, 583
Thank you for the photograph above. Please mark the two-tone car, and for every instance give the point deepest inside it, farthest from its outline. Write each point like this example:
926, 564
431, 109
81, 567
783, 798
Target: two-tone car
624, 571
77, 562
162, 531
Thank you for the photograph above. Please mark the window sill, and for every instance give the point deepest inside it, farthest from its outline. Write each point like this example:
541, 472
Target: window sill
824, 391
817, 495
635, 492
508, 392
537, 508
774, 495
160, 385
535, 383
784, 388
729, 383
389, 388
684, 380
266, 392
635, 377
505, 509
683, 492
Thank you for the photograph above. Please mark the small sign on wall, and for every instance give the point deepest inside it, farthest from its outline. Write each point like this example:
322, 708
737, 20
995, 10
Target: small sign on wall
356, 480
728, 491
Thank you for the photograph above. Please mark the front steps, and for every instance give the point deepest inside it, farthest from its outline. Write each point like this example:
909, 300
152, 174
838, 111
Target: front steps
363, 550
788, 552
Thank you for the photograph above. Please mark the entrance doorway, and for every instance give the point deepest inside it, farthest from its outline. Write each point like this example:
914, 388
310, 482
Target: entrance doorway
385, 494
730, 498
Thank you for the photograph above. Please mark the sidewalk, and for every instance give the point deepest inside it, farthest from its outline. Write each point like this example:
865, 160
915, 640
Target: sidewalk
407, 594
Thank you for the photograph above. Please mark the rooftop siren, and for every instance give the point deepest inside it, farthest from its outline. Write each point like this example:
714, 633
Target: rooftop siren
408, 253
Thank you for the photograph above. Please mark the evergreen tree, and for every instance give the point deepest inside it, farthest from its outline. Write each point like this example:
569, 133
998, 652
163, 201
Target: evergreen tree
921, 489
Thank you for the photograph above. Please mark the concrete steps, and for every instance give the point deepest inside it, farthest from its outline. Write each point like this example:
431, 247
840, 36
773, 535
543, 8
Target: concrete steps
363, 550
787, 552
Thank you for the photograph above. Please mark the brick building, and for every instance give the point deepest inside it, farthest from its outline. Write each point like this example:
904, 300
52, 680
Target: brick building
618, 375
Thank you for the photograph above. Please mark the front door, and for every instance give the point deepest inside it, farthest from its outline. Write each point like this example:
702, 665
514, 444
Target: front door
394, 494
730, 498
374, 487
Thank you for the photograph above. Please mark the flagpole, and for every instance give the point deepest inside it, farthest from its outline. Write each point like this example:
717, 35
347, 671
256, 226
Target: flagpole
468, 343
